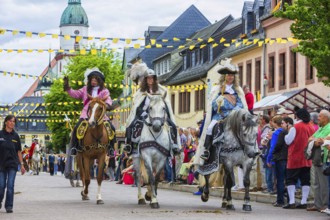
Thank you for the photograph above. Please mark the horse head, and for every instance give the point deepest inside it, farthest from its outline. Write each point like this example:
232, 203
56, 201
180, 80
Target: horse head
245, 129
249, 134
156, 112
96, 110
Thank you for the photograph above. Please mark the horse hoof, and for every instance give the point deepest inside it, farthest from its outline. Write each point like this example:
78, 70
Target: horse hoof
154, 205
83, 196
142, 202
230, 207
205, 197
100, 202
148, 198
224, 205
247, 208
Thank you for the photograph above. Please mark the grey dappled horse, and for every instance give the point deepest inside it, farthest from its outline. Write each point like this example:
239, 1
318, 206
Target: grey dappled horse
237, 148
154, 148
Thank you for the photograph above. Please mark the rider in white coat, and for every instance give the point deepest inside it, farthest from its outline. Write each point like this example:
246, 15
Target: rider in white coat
149, 85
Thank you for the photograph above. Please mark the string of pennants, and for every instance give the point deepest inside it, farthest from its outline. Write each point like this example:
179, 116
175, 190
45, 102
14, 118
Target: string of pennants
108, 85
236, 42
130, 40
50, 113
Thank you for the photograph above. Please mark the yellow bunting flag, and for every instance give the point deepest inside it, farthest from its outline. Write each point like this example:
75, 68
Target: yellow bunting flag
128, 41
153, 41
164, 40
136, 46
181, 46
222, 40
255, 41
202, 46
15, 32
72, 51
78, 38
90, 38
176, 39
159, 46
83, 51
226, 45
199, 39
115, 40
148, 46
191, 47
28, 34
19, 51
55, 36
67, 37
93, 51
42, 34
260, 43
210, 40
214, 45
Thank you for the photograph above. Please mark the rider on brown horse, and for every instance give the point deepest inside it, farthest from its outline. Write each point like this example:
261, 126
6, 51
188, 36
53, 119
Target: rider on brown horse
94, 79
149, 85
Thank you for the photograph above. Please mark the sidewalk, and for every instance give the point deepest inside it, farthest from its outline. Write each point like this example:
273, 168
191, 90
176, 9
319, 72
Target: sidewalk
218, 192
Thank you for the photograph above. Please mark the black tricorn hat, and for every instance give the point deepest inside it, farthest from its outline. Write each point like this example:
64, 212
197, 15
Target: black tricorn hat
226, 67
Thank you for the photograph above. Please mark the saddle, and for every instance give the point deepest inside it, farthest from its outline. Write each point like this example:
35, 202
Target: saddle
82, 128
136, 131
218, 131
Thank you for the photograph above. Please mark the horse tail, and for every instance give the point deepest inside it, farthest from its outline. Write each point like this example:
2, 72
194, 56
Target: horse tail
144, 173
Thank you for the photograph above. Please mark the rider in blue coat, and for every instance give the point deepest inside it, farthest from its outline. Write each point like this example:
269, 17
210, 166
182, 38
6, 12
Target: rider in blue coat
226, 97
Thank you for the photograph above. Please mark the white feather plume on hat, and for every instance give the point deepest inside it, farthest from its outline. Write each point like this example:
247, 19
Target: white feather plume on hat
88, 71
137, 72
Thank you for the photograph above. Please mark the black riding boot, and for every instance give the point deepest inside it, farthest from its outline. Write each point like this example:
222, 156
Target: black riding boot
207, 146
128, 145
74, 140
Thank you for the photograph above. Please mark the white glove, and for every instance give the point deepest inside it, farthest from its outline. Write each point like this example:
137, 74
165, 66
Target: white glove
144, 114
219, 100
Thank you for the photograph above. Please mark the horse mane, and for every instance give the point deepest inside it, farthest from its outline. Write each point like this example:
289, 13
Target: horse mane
234, 122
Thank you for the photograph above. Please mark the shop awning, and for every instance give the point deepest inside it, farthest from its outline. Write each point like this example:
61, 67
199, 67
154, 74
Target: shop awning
302, 98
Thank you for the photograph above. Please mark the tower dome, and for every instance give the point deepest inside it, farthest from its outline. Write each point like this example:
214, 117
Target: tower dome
74, 14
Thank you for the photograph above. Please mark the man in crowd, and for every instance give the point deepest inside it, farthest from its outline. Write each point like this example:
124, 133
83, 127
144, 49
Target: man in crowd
315, 152
249, 98
298, 167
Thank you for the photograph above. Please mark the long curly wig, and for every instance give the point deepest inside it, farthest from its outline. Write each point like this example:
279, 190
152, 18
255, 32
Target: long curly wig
222, 82
144, 85
89, 85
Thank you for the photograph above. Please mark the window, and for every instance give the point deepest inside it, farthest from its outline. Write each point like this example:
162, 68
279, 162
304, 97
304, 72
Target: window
173, 103
185, 62
248, 73
157, 69
282, 66
293, 69
161, 68
210, 53
240, 74
34, 123
184, 102
199, 100
197, 57
168, 65
271, 72
257, 75
165, 66
309, 72
193, 59
201, 56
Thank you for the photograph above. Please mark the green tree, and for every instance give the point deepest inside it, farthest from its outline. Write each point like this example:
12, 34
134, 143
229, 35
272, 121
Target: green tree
108, 63
312, 27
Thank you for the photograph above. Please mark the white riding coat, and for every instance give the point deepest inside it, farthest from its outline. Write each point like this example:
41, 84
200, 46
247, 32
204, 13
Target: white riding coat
139, 98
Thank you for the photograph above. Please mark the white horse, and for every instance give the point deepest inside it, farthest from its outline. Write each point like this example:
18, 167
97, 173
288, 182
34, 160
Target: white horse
36, 160
154, 148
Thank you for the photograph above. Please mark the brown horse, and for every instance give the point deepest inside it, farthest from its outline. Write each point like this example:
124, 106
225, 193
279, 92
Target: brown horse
94, 146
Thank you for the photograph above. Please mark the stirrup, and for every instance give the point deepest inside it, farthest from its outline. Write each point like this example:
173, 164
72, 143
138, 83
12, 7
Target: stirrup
73, 151
206, 155
175, 149
128, 148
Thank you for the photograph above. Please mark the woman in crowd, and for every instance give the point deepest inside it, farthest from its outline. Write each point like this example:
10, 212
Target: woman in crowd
10, 159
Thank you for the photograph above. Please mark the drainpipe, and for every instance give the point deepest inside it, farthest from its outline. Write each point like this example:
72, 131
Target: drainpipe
204, 94
263, 70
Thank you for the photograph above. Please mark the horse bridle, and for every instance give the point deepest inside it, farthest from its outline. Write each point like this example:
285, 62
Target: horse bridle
100, 120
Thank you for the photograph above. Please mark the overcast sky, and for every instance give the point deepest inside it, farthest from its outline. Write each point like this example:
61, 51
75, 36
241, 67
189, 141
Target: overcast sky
107, 18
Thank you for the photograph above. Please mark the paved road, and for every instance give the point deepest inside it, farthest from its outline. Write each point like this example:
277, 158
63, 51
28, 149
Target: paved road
52, 197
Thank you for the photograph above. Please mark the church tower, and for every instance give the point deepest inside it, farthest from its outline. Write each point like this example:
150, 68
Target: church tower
74, 22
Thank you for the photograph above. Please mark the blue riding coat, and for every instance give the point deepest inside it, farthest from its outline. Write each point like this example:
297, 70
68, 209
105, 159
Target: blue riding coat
225, 108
